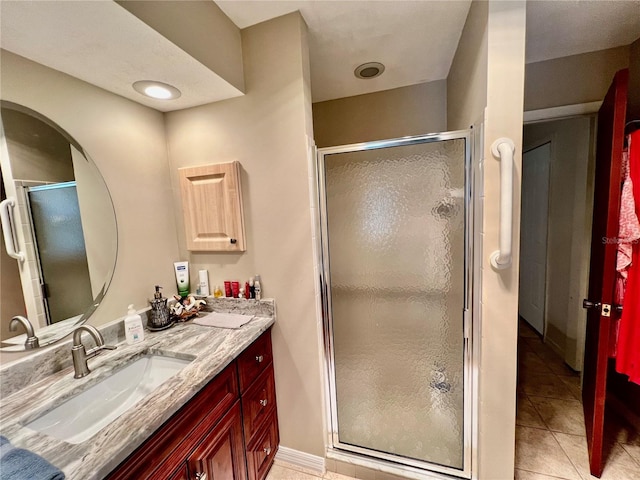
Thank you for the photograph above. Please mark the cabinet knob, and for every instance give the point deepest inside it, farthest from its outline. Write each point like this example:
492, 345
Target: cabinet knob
201, 476
267, 450
263, 402
259, 358
233, 241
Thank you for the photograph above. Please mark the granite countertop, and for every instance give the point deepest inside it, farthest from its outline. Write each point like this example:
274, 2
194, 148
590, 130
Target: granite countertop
211, 349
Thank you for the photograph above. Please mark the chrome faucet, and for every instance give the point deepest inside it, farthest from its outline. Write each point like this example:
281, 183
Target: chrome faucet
79, 353
32, 341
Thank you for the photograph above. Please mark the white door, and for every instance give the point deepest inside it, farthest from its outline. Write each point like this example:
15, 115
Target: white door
533, 243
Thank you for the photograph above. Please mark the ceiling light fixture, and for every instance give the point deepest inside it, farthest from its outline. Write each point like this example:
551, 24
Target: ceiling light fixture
369, 70
157, 90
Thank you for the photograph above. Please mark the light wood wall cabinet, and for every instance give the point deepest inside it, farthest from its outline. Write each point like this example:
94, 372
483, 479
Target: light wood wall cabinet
212, 207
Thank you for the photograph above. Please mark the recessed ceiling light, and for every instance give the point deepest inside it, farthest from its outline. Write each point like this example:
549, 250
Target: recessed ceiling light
369, 70
157, 90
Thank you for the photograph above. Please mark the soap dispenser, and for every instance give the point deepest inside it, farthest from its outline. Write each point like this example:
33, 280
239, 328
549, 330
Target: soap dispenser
133, 326
160, 317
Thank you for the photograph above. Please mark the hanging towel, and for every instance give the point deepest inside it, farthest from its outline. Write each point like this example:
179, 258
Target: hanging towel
628, 235
21, 464
628, 349
223, 320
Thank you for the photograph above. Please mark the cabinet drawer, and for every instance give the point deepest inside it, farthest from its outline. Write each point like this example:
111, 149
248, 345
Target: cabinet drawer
262, 450
258, 402
254, 360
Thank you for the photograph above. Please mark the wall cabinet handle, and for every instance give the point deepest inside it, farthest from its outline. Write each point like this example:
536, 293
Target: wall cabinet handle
267, 450
259, 358
263, 402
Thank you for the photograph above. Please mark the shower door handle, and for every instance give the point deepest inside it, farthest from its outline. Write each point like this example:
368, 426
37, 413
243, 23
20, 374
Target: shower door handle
9, 230
503, 149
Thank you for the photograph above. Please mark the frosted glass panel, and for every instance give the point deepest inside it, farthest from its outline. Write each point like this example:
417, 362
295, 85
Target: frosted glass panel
60, 242
396, 235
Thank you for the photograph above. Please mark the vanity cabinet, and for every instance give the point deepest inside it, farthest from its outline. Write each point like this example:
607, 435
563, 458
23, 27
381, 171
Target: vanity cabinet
227, 431
212, 207
259, 415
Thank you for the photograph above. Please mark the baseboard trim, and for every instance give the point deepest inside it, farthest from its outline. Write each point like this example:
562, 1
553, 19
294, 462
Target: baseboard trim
301, 459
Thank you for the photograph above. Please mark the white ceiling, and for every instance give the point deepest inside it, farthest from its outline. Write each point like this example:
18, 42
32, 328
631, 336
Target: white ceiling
416, 40
103, 44
561, 28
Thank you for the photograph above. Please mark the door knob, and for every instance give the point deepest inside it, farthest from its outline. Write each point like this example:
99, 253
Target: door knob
201, 476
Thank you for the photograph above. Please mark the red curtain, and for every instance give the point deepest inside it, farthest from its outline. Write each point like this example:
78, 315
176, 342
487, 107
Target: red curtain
628, 351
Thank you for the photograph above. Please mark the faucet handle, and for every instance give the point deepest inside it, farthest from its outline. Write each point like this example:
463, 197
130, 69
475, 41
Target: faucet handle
97, 350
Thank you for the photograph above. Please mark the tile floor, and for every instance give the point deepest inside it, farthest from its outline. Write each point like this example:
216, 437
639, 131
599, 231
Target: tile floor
550, 433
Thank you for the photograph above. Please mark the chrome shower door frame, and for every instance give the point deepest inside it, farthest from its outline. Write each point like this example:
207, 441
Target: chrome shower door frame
364, 456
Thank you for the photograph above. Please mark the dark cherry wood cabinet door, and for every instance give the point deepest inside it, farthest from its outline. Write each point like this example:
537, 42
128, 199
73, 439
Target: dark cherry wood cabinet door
181, 474
602, 276
220, 454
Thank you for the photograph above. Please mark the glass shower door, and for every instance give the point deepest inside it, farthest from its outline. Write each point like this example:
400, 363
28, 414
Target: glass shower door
59, 241
396, 253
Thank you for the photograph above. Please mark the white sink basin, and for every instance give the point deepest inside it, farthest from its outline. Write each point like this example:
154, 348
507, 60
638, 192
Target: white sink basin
87, 413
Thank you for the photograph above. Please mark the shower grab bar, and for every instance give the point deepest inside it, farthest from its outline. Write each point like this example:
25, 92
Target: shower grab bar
503, 149
8, 229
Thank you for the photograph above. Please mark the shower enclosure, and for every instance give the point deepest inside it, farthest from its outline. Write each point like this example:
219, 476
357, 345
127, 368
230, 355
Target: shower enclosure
396, 247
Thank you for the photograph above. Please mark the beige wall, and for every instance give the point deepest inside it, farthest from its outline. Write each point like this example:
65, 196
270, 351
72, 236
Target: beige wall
265, 131
569, 230
467, 80
127, 143
42, 157
413, 110
575, 79
501, 46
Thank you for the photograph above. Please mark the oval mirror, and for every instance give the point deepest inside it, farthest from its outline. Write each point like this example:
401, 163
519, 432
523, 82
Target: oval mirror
59, 235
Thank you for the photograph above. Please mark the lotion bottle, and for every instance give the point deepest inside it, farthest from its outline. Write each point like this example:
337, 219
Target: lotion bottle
257, 287
133, 326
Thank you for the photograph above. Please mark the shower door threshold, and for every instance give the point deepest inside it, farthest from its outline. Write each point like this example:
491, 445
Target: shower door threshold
399, 466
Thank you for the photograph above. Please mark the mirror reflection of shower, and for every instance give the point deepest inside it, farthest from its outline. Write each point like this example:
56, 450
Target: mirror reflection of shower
62, 220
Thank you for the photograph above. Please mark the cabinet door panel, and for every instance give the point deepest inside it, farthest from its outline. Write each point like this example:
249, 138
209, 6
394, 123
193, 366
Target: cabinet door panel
220, 455
212, 207
181, 474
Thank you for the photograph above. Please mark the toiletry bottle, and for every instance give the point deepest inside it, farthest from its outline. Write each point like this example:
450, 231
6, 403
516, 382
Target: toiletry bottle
217, 292
257, 287
133, 326
247, 290
182, 278
252, 288
204, 282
